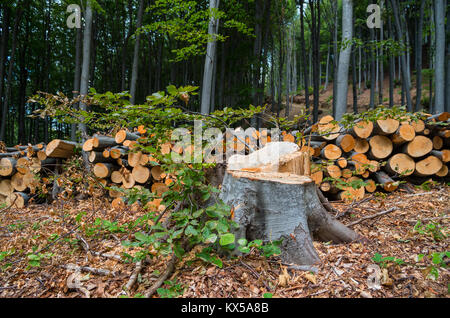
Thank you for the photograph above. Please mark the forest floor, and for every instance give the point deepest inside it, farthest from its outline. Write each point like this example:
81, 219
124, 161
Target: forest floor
66, 235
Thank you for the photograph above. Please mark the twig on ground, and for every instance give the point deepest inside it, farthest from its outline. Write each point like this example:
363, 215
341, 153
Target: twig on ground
134, 276
373, 216
98, 271
168, 271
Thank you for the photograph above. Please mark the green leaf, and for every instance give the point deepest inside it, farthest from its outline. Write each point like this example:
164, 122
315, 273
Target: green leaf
227, 239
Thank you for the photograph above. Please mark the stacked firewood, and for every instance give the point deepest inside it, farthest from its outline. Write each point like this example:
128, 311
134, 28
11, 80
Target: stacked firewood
378, 153
22, 166
117, 162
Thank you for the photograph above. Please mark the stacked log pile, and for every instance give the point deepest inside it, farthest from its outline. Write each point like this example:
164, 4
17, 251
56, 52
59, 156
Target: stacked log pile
378, 154
117, 162
22, 166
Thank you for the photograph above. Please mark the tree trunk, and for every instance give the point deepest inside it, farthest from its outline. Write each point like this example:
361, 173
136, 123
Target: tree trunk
19, 15
439, 68
273, 206
405, 72
419, 56
77, 76
135, 68
209, 60
344, 59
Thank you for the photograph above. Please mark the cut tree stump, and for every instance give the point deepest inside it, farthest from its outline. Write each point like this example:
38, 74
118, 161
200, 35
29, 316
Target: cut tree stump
273, 205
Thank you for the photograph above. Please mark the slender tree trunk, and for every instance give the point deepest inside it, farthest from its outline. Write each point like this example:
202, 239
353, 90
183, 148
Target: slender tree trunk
305, 61
135, 68
84, 82
19, 15
381, 62
372, 69
77, 76
209, 61
344, 58
419, 56
447, 83
405, 71
439, 69
391, 67
334, 8
3, 52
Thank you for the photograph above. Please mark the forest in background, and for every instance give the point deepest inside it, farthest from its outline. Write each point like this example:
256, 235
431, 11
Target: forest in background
257, 52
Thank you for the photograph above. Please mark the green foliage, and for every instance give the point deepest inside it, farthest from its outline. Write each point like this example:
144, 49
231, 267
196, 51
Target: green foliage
34, 260
427, 185
172, 289
438, 261
432, 229
384, 261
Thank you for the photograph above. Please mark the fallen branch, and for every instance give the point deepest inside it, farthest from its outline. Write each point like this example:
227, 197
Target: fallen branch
373, 216
112, 256
134, 276
168, 271
98, 271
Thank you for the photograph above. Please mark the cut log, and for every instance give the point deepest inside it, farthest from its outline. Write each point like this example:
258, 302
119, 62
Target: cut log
96, 157
102, 142
418, 126
385, 181
141, 174
443, 172
400, 164
117, 152
371, 186
361, 145
6, 188
41, 155
116, 177
263, 213
103, 170
362, 129
342, 163
428, 166
7, 166
352, 192
347, 173
317, 177
134, 158
380, 147
60, 149
19, 182
23, 165
418, 147
386, 126
403, 134
438, 143
443, 155
328, 129
331, 152
17, 200
128, 181
346, 142
333, 171
123, 135
159, 188
88, 145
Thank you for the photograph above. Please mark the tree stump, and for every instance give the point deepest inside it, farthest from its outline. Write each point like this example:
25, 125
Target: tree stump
273, 205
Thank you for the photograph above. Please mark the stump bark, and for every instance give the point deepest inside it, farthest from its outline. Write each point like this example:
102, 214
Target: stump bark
272, 203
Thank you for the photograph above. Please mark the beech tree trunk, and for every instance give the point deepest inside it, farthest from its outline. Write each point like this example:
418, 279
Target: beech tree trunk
439, 69
344, 59
274, 206
279, 201
209, 61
